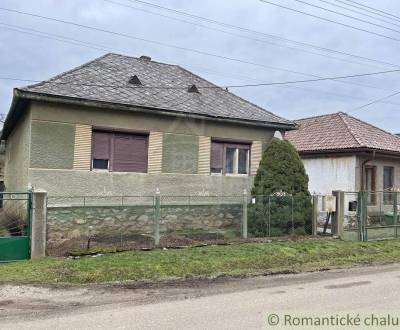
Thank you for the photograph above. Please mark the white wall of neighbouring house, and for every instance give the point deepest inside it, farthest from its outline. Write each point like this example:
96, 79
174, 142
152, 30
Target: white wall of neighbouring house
330, 173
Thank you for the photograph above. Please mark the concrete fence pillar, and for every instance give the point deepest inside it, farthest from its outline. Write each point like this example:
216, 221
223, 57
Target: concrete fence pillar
157, 217
39, 221
244, 215
338, 216
314, 215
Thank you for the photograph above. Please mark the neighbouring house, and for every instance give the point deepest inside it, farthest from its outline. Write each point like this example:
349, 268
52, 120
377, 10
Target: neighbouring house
341, 152
121, 125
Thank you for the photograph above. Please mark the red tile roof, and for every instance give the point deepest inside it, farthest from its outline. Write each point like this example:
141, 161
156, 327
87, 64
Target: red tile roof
339, 131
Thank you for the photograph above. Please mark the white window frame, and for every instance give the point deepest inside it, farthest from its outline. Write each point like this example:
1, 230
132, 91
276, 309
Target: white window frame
236, 164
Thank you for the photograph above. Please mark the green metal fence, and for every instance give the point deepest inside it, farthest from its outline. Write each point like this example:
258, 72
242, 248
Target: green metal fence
15, 226
76, 223
372, 216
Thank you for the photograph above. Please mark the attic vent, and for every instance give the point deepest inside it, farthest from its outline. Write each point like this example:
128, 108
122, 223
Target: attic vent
145, 58
135, 80
193, 89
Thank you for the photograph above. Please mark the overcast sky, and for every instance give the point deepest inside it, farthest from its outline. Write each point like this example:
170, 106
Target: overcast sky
30, 56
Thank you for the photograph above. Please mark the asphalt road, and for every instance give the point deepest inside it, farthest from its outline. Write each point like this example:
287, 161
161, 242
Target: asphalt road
238, 304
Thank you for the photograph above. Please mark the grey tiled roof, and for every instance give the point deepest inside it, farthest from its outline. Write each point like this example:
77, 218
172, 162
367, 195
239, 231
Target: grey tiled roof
112, 72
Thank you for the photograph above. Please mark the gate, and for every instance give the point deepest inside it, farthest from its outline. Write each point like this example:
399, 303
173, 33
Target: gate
373, 216
15, 226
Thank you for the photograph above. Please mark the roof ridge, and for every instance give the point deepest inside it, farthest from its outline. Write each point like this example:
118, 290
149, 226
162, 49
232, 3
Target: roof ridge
371, 125
68, 71
316, 116
341, 114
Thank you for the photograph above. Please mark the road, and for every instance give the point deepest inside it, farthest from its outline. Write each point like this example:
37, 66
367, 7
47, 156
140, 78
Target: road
231, 304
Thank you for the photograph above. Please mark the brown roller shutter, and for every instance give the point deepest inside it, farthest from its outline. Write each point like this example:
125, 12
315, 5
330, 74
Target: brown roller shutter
101, 145
217, 155
130, 153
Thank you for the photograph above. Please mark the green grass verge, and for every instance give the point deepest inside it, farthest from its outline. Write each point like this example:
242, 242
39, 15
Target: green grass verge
205, 262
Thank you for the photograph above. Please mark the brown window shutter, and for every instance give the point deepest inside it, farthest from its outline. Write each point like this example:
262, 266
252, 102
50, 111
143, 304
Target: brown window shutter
130, 153
101, 145
217, 155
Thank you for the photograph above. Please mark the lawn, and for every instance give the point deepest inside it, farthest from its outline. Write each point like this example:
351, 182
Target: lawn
203, 262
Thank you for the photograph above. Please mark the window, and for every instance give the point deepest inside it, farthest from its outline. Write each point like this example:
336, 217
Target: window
119, 152
388, 183
230, 158
370, 173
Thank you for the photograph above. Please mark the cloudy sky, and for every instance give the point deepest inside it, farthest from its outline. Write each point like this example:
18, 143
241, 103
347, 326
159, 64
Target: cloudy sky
35, 48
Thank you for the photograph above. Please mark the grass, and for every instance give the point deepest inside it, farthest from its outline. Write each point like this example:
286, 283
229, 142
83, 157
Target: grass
205, 262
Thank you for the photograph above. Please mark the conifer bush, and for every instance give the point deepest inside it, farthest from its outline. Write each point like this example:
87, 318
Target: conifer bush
282, 201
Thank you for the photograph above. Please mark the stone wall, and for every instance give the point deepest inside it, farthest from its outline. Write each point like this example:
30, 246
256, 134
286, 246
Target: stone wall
129, 227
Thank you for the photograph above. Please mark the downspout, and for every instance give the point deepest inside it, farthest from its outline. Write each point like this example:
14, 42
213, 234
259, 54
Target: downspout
363, 169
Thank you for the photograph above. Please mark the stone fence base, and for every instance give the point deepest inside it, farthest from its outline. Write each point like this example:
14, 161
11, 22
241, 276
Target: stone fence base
72, 229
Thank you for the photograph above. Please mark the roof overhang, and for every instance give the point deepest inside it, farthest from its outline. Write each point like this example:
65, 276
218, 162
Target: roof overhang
362, 151
21, 98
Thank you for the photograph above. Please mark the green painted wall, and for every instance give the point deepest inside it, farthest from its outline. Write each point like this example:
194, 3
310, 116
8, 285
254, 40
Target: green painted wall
17, 155
180, 154
52, 145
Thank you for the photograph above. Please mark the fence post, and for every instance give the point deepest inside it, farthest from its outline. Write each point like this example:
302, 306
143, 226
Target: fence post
157, 216
292, 216
361, 216
338, 218
314, 215
395, 212
244, 215
39, 219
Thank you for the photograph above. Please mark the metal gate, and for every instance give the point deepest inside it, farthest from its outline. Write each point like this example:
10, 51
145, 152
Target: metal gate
372, 216
15, 226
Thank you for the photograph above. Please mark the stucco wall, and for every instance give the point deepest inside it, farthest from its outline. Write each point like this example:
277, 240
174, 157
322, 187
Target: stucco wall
330, 173
52, 145
148, 121
17, 155
72, 183
61, 181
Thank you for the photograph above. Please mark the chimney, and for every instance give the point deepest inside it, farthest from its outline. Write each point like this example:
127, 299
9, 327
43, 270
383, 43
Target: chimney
145, 58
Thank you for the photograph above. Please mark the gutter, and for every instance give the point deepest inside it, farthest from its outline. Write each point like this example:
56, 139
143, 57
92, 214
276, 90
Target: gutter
20, 95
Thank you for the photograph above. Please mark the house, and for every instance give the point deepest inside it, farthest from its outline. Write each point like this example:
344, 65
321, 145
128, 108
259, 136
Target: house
122, 125
341, 152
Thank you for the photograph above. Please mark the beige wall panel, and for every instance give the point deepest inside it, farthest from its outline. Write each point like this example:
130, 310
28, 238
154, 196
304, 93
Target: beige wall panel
82, 147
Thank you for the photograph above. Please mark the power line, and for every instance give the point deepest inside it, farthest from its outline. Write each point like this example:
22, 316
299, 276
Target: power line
231, 26
201, 87
235, 34
175, 46
96, 46
360, 12
374, 101
375, 9
120, 34
101, 47
346, 15
331, 21
366, 10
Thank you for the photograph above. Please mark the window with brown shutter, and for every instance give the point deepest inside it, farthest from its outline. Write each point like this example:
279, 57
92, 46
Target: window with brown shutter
230, 158
217, 157
119, 152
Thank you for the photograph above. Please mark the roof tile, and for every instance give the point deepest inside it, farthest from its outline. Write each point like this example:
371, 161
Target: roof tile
106, 79
340, 131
